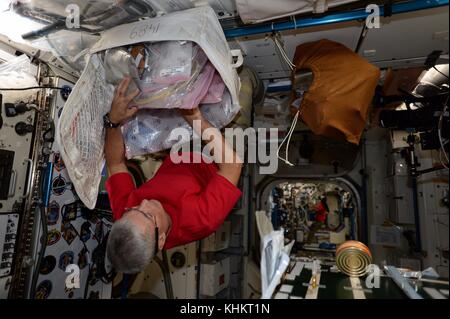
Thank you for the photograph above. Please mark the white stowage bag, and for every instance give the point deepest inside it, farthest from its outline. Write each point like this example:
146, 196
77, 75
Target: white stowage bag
256, 11
274, 254
17, 73
80, 131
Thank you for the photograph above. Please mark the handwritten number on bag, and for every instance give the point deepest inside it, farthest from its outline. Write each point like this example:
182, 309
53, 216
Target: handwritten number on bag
142, 29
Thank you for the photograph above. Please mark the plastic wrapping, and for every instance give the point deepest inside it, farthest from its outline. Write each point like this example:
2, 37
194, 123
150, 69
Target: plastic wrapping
198, 25
119, 63
18, 73
274, 254
176, 74
41, 23
21, 24
69, 46
95, 15
184, 94
274, 262
169, 62
215, 91
18, 65
150, 130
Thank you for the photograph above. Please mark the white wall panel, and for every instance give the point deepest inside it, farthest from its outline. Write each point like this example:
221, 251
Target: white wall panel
409, 35
260, 52
400, 37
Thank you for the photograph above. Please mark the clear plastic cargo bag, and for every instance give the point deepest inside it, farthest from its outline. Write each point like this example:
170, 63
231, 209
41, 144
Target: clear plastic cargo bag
215, 90
150, 130
118, 63
169, 62
18, 73
185, 94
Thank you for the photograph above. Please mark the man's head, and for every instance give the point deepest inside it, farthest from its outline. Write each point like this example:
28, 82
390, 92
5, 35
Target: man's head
135, 238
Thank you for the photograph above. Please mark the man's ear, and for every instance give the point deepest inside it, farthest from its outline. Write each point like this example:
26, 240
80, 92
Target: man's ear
161, 241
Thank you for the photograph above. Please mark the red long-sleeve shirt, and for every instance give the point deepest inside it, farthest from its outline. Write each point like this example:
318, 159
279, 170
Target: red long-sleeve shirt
197, 198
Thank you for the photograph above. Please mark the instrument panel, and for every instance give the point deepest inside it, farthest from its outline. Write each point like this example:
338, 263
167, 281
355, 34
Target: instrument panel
16, 138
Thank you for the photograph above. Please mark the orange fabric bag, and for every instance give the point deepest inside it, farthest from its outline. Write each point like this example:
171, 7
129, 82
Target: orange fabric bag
336, 104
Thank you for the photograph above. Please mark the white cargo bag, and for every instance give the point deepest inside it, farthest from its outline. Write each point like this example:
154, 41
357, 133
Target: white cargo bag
256, 11
80, 133
199, 25
274, 254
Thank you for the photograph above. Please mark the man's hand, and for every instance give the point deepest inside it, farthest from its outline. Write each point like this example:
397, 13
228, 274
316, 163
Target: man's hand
120, 110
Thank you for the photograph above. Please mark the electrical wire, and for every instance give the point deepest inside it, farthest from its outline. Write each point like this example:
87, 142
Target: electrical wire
280, 48
294, 124
361, 38
282, 60
288, 137
434, 67
284, 55
32, 88
288, 61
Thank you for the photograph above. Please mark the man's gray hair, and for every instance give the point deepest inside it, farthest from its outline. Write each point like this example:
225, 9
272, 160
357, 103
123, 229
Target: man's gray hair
128, 249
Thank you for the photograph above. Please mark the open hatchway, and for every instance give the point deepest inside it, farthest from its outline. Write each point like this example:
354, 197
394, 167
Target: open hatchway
317, 214
318, 204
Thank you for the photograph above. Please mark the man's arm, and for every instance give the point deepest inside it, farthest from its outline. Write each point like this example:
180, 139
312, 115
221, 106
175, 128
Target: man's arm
115, 151
229, 163
120, 112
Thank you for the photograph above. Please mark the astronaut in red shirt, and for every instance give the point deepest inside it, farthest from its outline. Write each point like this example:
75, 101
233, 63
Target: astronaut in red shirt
182, 203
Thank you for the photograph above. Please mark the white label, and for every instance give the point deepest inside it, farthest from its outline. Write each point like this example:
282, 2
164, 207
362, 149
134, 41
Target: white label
169, 71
